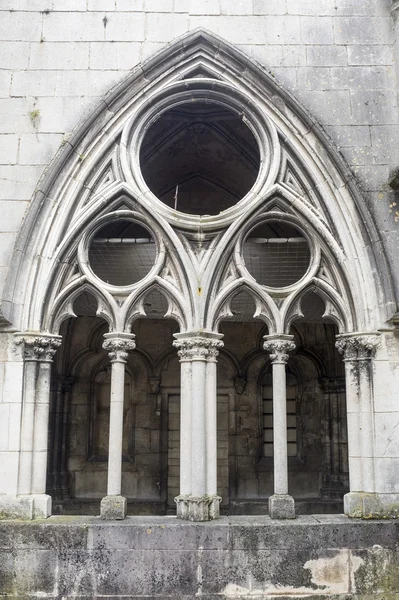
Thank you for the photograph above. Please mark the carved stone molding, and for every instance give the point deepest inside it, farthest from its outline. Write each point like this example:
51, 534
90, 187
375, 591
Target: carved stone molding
198, 347
39, 348
118, 345
154, 383
357, 347
279, 347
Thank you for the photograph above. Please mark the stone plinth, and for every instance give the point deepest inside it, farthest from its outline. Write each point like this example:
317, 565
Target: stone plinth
281, 506
197, 508
113, 508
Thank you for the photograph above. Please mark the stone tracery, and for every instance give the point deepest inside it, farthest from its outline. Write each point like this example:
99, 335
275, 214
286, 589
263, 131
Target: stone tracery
199, 265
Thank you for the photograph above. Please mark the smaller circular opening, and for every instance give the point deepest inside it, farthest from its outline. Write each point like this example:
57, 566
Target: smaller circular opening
122, 252
199, 158
276, 254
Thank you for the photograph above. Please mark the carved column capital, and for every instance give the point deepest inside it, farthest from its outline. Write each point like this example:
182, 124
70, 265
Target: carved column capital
39, 347
198, 347
279, 347
118, 345
357, 346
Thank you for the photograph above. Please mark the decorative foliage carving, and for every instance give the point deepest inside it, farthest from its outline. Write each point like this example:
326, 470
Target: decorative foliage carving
357, 347
279, 348
40, 348
119, 347
197, 347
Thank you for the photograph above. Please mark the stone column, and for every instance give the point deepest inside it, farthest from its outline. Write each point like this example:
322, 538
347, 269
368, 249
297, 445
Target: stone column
198, 500
358, 351
114, 505
38, 355
281, 504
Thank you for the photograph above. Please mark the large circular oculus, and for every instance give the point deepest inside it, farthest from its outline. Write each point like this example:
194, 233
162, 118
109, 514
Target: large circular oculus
276, 254
122, 252
199, 158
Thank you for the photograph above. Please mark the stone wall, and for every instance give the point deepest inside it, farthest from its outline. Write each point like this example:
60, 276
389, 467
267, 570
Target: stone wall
59, 57
240, 557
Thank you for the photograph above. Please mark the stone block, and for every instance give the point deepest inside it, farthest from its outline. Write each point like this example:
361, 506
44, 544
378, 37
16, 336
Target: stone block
60, 55
308, 7
12, 213
14, 115
384, 140
362, 78
38, 149
15, 55
33, 83
317, 30
370, 55
8, 148
5, 84
101, 5
314, 78
239, 7
281, 506
114, 56
204, 7
159, 6
70, 27
113, 508
326, 56
130, 5
121, 25
272, 7
372, 505
4, 425
14, 427
164, 27
330, 107
197, 508
69, 5
21, 26
363, 30
366, 7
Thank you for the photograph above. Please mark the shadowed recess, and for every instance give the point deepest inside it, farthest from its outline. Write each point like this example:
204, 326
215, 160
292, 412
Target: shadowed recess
122, 253
276, 254
200, 158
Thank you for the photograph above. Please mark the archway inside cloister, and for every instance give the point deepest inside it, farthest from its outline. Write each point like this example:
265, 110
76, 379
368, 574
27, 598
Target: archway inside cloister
192, 184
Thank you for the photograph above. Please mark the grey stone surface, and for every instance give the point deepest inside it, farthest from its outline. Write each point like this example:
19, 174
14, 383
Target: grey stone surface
113, 508
158, 557
281, 507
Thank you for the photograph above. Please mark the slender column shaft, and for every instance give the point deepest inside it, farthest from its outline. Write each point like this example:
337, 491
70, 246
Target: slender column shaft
354, 427
358, 350
28, 411
198, 445
185, 427
211, 426
281, 504
114, 486
114, 505
366, 422
41, 422
280, 429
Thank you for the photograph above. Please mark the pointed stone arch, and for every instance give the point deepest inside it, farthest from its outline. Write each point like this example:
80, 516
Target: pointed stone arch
198, 65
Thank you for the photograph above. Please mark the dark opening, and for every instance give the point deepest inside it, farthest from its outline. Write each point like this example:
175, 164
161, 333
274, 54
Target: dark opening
122, 252
276, 254
200, 158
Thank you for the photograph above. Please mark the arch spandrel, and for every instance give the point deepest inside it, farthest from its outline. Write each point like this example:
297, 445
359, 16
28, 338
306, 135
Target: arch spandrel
203, 64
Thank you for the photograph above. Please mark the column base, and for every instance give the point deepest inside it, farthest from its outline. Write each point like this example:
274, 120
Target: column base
26, 506
197, 508
281, 506
113, 508
363, 505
